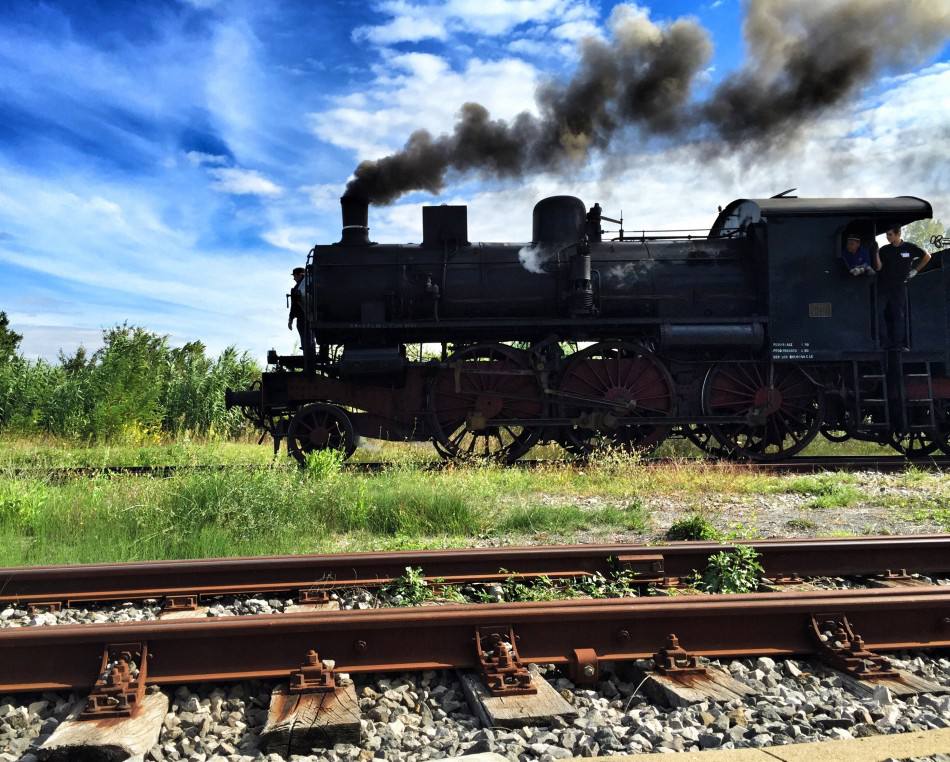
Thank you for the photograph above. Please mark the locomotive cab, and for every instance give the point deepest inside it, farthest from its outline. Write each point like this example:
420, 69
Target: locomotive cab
817, 309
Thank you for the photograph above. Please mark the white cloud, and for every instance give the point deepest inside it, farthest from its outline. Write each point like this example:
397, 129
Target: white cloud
200, 159
299, 240
420, 90
407, 28
324, 197
243, 182
576, 30
413, 21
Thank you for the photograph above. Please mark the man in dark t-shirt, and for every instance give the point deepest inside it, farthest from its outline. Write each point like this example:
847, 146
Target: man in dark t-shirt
897, 263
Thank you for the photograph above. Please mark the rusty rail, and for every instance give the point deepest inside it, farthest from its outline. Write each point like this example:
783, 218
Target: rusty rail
381, 640
204, 578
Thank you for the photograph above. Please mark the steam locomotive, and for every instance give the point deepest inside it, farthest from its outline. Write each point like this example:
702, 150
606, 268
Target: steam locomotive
750, 339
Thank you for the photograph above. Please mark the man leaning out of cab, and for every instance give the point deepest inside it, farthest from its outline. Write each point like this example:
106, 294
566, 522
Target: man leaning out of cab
856, 257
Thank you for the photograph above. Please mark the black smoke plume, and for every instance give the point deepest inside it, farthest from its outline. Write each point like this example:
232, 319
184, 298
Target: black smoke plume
804, 57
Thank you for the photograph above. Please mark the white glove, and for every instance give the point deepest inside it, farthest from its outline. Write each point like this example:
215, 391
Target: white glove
912, 274
855, 270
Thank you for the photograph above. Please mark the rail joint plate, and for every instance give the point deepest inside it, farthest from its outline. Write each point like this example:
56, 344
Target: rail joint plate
674, 660
313, 676
502, 668
842, 648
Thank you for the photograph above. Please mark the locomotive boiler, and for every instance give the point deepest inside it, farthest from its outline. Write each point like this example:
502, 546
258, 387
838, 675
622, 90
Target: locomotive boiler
750, 338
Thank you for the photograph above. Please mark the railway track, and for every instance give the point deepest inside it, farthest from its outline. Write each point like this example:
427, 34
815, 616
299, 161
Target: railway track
309, 575
800, 464
578, 634
496, 643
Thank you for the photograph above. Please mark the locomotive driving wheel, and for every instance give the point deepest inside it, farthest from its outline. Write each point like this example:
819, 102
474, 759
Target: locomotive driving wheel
482, 406
320, 426
792, 404
610, 381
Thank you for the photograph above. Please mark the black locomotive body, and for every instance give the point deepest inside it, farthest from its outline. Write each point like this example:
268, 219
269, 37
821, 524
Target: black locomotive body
749, 339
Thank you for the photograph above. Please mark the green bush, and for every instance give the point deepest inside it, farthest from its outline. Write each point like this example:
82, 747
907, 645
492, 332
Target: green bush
135, 389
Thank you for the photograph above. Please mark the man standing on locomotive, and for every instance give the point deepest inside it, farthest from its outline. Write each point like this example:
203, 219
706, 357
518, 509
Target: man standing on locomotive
297, 311
897, 263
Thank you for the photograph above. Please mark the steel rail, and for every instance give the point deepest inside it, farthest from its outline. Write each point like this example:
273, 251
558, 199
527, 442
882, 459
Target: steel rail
442, 637
223, 576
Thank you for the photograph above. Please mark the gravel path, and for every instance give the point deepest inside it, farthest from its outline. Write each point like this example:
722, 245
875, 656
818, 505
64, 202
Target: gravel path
887, 504
419, 717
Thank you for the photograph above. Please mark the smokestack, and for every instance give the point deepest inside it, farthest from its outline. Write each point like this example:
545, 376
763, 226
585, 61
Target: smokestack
355, 220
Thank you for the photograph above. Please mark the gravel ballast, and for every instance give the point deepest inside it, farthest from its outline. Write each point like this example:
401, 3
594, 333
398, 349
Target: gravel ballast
425, 716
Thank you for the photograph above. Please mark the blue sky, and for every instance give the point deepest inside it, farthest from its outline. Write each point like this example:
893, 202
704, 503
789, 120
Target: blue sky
167, 163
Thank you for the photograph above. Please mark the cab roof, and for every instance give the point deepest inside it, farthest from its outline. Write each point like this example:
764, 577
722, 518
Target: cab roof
898, 210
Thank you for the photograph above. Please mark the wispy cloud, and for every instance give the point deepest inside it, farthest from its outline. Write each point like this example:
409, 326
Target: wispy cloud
243, 182
412, 21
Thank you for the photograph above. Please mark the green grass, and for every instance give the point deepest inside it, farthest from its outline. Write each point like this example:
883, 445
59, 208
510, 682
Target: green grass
830, 490
53, 453
283, 509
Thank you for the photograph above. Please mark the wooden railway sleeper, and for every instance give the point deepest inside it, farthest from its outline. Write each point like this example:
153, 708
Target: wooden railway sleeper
502, 668
841, 647
120, 686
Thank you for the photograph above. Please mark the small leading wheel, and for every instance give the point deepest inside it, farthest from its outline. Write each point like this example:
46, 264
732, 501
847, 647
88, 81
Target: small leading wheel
792, 405
483, 405
320, 426
610, 381
915, 444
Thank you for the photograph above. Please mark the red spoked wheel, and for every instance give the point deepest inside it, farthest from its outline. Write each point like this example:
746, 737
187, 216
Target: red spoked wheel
320, 426
610, 381
792, 404
483, 404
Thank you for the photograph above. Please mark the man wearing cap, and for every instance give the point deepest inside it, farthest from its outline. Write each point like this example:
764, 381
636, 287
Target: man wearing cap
897, 263
856, 257
297, 311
